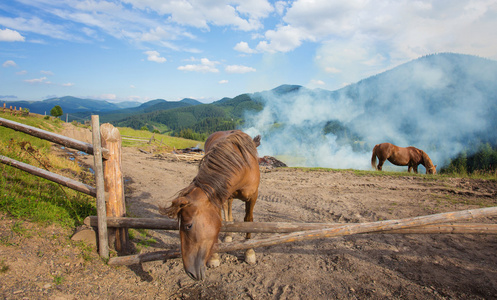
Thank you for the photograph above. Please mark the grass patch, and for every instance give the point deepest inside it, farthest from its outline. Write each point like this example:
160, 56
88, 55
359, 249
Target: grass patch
141, 238
25, 196
168, 142
3, 267
58, 279
86, 251
454, 200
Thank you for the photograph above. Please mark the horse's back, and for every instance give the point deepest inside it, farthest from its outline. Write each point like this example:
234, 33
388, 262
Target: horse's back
216, 137
384, 150
244, 144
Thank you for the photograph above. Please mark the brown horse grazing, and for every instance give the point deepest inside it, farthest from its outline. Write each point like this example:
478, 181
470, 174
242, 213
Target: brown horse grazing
229, 169
410, 156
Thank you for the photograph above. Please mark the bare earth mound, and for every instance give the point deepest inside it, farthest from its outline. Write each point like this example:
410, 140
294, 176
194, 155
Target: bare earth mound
374, 266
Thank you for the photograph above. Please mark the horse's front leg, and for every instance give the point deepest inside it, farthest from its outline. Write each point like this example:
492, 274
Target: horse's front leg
214, 261
228, 217
249, 217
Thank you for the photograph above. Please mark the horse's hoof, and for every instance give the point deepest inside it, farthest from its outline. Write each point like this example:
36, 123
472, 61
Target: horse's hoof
250, 256
214, 261
228, 239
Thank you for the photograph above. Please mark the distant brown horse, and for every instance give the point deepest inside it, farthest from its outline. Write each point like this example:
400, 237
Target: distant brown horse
228, 170
410, 156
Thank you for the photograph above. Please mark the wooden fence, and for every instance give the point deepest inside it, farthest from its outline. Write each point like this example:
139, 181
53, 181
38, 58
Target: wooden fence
109, 192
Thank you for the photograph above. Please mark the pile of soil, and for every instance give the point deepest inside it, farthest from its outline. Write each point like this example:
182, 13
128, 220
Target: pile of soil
42, 263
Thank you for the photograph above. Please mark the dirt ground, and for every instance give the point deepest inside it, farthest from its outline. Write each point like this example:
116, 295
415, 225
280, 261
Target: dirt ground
45, 265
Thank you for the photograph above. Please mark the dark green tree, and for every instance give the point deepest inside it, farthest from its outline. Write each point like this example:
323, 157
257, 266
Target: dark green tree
56, 111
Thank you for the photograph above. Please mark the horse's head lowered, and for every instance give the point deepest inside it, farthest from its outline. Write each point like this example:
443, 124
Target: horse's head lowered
199, 225
430, 168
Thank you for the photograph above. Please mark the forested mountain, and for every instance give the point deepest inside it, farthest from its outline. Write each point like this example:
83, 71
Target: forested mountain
196, 121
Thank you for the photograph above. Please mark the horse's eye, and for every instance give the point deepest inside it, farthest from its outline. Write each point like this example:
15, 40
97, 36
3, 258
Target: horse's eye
188, 226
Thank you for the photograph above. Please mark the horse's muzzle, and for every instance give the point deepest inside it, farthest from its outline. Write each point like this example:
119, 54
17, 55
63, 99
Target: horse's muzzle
196, 268
197, 274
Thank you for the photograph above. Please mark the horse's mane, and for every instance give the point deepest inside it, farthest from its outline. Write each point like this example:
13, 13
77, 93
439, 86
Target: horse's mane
426, 160
220, 164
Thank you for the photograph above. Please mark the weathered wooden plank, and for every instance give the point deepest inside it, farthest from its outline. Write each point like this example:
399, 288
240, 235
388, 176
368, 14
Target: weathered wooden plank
346, 229
99, 178
52, 137
68, 182
285, 227
114, 187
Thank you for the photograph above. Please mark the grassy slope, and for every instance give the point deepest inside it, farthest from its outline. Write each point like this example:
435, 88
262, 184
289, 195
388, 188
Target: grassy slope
33, 198
29, 197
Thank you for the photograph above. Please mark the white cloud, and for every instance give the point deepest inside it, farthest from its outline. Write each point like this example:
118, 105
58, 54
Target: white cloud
332, 70
205, 66
49, 73
7, 35
68, 84
9, 63
317, 82
36, 25
107, 97
37, 80
244, 47
242, 15
284, 39
403, 29
23, 72
280, 7
154, 56
224, 81
239, 69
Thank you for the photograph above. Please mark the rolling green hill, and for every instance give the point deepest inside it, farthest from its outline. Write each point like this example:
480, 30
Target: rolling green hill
202, 119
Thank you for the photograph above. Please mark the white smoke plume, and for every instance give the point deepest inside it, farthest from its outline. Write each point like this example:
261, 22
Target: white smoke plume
442, 104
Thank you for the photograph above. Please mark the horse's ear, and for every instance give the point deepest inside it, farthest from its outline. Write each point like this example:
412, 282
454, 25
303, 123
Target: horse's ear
257, 141
176, 206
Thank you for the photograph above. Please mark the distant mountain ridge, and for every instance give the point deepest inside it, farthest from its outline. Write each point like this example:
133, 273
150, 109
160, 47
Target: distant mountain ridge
443, 102
83, 108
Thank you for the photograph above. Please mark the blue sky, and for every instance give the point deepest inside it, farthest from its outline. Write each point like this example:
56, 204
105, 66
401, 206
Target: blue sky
140, 50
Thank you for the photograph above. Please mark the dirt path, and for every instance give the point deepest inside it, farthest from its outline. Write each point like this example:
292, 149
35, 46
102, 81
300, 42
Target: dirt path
355, 267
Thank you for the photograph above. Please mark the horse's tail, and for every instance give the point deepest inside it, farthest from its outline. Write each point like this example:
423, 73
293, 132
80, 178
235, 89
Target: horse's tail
373, 158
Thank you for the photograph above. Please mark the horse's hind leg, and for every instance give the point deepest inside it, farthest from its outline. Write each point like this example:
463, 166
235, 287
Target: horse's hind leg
228, 216
380, 164
249, 217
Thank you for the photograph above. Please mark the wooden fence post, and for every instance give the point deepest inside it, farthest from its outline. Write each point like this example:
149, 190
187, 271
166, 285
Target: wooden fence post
103, 243
114, 187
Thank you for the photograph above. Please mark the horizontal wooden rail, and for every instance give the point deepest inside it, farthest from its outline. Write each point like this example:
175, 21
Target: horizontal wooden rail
68, 182
285, 227
346, 229
52, 137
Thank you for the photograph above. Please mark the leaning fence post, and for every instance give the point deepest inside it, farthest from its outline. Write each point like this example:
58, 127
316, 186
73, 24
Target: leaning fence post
103, 242
114, 188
